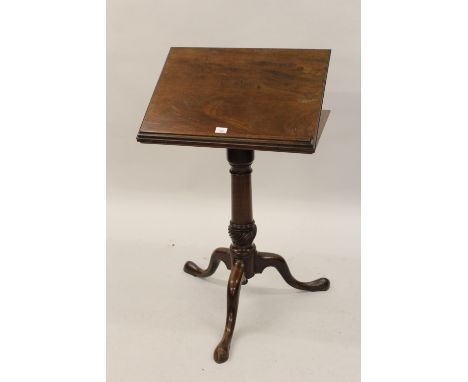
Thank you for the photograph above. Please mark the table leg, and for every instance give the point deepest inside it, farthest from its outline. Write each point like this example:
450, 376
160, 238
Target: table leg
221, 353
218, 255
266, 259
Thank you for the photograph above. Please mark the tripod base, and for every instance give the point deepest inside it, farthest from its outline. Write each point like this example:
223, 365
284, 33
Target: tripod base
259, 261
242, 257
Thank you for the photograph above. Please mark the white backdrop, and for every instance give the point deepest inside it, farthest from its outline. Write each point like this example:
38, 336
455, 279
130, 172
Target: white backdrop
169, 204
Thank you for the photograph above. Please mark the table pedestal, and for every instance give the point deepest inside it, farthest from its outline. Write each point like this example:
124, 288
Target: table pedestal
242, 257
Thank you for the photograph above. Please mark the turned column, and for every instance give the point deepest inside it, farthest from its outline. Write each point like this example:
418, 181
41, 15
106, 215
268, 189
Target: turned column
242, 228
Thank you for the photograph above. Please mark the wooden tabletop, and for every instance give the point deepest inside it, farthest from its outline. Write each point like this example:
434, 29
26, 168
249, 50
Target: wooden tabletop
256, 99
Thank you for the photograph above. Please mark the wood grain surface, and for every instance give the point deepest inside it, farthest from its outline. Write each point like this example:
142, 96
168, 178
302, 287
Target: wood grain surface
267, 99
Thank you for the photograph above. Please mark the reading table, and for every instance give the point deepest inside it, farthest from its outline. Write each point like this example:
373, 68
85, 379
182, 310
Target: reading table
242, 100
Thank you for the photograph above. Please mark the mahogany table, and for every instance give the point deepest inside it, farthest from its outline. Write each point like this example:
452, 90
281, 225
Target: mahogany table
242, 100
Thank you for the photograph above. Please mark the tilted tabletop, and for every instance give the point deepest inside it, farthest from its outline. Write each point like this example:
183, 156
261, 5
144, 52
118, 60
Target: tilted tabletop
253, 99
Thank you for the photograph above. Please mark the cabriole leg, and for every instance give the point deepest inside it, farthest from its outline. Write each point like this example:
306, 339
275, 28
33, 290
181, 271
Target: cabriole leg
221, 353
219, 254
266, 259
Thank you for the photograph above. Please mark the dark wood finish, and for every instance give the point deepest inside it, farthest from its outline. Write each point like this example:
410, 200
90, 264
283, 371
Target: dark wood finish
242, 257
259, 99
218, 255
268, 99
266, 259
241, 190
242, 228
221, 353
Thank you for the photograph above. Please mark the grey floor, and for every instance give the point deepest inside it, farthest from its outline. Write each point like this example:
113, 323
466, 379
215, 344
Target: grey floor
164, 324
